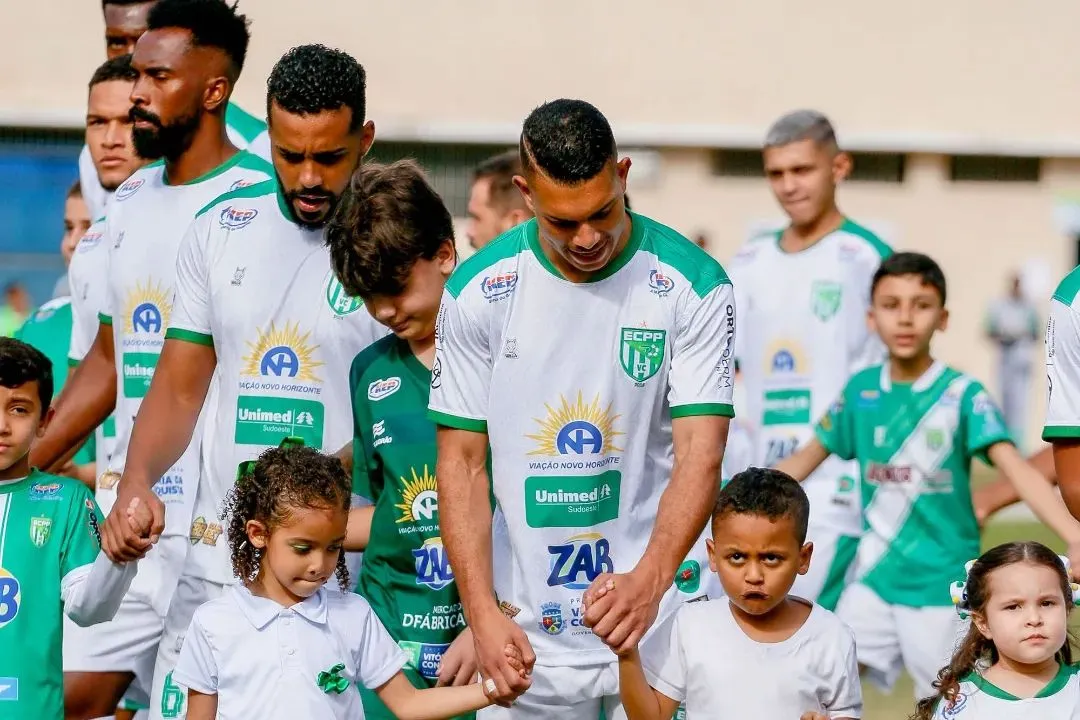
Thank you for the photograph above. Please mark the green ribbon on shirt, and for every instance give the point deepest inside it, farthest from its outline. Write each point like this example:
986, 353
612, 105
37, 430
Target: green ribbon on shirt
331, 681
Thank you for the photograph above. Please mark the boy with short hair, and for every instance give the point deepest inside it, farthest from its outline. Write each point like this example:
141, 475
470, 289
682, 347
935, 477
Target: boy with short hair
759, 652
50, 548
914, 425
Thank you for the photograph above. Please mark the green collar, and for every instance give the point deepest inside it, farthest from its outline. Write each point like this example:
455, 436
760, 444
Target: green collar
1054, 686
230, 163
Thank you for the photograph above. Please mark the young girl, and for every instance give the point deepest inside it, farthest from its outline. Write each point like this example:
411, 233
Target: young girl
279, 644
1016, 661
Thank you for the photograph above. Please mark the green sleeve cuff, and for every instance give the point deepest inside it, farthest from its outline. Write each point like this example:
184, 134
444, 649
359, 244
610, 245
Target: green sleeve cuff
1060, 432
189, 336
695, 409
455, 421
104, 319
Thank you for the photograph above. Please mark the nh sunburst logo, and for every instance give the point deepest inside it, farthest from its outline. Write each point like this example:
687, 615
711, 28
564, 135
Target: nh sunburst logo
576, 428
283, 353
419, 497
148, 308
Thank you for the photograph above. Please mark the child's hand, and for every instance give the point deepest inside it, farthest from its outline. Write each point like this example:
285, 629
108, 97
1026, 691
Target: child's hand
139, 517
589, 598
515, 660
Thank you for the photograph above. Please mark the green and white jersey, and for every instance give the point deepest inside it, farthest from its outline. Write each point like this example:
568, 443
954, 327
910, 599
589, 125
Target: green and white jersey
245, 131
914, 443
405, 575
147, 220
979, 699
259, 288
1063, 362
576, 385
802, 335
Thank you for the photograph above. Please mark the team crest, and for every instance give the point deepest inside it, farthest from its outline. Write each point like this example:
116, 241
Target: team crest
935, 439
39, 530
551, 619
825, 296
341, 302
641, 352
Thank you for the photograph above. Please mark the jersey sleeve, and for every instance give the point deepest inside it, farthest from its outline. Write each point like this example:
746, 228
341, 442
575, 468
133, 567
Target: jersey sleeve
196, 669
702, 375
982, 423
663, 661
190, 319
846, 701
84, 318
105, 312
93, 594
378, 658
362, 465
1062, 374
82, 538
461, 375
836, 428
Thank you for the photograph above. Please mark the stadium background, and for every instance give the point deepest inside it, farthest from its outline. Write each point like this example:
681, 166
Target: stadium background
962, 116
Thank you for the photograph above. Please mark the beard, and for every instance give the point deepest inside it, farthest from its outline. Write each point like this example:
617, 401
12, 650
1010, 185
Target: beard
317, 193
167, 141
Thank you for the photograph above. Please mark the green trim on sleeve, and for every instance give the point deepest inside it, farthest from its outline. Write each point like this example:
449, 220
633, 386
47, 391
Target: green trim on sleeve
880, 246
259, 189
672, 248
1061, 432
697, 409
507, 245
457, 422
104, 319
1068, 288
189, 336
72, 362
243, 122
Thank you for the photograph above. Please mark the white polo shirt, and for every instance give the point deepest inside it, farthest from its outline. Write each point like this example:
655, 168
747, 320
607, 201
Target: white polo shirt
263, 660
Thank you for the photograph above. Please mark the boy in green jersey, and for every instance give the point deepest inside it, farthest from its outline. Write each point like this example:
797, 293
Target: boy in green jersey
392, 244
914, 425
50, 549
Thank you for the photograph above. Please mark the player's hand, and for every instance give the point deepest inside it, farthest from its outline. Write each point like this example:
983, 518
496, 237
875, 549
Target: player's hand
132, 528
621, 607
492, 632
458, 663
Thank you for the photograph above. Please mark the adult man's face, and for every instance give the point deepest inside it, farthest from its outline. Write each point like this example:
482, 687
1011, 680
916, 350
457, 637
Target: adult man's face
124, 25
108, 132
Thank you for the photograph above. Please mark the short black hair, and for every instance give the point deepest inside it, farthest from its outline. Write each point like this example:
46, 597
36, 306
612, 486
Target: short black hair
500, 170
911, 263
767, 493
21, 363
118, 68
212, 23
569, 141
310, 79
388, 218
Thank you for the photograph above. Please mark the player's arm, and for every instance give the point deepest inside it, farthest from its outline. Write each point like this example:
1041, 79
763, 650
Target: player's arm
1000, 493
358, 531
92, 586
1034, 490
834, 434
201, 706
804, 461
1062, 428
640, 700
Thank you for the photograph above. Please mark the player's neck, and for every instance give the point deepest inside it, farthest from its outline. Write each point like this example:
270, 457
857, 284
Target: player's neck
210, 147
908, 370
18, 470
800, 237
1022, 679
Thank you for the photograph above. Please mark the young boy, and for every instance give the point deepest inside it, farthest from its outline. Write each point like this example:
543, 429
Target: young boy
50, 556
914, 426
758, 653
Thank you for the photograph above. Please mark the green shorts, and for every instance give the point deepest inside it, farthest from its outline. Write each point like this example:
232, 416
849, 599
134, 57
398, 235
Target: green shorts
374, 709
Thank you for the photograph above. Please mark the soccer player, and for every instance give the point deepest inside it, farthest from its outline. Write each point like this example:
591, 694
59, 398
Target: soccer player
50, 559
914, 425
798, 347
591, 350
258, 305
495, 204
1062, 428
125, 22
196, 44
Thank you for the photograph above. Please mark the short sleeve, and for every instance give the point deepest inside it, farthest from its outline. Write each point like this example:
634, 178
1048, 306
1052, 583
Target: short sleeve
461, 374
702, 375
1062, 374
362, 470
82, 539
84, 314
982, 422
846, 701
196, 669
378, 657
836, 428
663, 660
190, 319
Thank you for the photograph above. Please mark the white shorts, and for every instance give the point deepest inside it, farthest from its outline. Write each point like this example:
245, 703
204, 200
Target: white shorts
129, 642
829, 566
889, 638
167, 699
566, 693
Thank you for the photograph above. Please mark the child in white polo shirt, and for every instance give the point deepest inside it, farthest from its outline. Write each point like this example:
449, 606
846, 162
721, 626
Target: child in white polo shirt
279, 644
758, 652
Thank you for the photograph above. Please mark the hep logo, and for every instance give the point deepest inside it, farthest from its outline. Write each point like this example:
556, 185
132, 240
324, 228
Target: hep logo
280, 361
129, 188
579, 561
498, 286
659, 283
236, 218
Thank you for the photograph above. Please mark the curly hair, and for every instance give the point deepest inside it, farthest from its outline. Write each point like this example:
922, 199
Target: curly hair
569, 141
976, 647
212, 23
21, 363
765, 492
310, 79
283, 479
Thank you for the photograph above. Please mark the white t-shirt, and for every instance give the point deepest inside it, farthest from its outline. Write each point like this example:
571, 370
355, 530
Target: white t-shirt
263, 660
576, 386
703, 658
259, 288
1063, 362
979, 699
803, 333
146, 222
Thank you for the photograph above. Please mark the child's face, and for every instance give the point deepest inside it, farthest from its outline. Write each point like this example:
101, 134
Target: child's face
1025, 615
20, 422
411, 314
301, 553
906, 313
757, 559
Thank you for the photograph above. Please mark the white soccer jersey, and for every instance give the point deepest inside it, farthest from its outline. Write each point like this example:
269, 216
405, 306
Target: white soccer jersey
259, 288
803, 334
703, 658
147, 221
1063, 362
980, 699
576, 386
